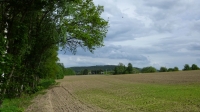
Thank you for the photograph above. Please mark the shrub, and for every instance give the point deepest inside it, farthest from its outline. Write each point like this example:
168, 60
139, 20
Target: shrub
194, 67
163, 69
186, 67
149, 69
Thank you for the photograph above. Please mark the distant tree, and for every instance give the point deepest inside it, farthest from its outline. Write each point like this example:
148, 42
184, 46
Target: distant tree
176, 69
194, 67
149, 69
120, 69
135, 70
129, 69
163, 69
85, 72
69, 71
115, 71
186, 67
170, 70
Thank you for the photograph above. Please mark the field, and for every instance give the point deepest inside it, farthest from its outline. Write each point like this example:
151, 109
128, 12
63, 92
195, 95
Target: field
152, 92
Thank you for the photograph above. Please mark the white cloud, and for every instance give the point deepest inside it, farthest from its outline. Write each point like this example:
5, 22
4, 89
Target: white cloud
145, 32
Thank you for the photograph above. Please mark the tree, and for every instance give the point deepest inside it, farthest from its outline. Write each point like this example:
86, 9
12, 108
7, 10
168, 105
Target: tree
120, 69
149, 69
85, 72
129, 68
163, 69
186, 67
170, 70
136, 70
34, 29
176, 69
69, 71
194, 67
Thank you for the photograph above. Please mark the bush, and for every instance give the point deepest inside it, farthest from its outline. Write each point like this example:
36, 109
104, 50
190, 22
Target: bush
170, 70
194, 67
69, 71
85, 72
163, 69
186, 67
136, 70
46, 83
176, 69
149, 69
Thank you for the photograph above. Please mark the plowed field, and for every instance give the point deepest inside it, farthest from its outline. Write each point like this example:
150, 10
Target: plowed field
173, 91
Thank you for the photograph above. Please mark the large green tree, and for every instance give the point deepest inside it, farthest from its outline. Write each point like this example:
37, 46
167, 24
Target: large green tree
35, 28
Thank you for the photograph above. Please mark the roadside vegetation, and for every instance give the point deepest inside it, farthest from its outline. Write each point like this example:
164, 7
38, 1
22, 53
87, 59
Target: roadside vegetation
19, 104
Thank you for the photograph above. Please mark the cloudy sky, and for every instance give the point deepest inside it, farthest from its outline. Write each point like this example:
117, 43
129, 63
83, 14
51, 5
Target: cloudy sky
146, 33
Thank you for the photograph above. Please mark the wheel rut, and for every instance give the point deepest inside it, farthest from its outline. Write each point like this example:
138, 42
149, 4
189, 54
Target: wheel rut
59, 99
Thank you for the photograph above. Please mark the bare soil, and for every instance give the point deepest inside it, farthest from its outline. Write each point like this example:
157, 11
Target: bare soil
61, 98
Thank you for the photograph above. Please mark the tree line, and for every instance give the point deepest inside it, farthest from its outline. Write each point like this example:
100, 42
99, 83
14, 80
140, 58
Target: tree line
122, 69
31, 33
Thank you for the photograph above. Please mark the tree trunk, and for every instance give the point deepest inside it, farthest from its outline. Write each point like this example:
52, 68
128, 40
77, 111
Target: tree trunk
8, 81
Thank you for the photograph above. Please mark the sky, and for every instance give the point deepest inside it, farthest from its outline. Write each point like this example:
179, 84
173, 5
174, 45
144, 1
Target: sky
145, 33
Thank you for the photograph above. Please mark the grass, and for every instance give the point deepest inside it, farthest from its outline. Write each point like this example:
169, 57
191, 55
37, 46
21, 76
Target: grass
16, 105
20, 104
122, 94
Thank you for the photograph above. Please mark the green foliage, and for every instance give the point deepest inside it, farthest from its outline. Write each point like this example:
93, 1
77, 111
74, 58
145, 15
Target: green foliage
35, 32
163, 69
84, 26
136, 70
94, 68
186, 67
170, 70
85, 72
61, 71
120, 69
176, 69
12, 105
46, 83
19, 104
194, 67
149, 69
69, 71
129, 69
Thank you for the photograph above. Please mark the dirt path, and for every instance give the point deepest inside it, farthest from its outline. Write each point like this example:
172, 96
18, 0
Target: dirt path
60, 99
